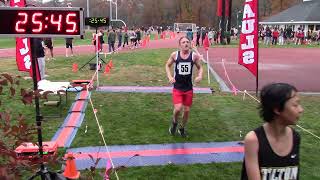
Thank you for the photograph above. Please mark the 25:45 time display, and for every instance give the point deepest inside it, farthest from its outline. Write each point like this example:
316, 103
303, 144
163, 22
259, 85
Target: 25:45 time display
41, 22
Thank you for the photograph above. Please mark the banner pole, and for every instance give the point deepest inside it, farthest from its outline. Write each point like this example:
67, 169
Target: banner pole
257, 77
39, 117
97, 56
208, 66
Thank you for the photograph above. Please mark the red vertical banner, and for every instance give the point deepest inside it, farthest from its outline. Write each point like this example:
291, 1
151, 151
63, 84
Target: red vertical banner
219, 7
23, 50
248, 45
227, 8
17, 3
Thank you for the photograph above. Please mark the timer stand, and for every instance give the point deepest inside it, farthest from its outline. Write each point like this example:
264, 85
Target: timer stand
95, 56
43, 172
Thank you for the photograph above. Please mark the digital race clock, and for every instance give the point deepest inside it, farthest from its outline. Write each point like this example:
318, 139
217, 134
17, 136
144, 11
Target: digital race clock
41, 22
97, 21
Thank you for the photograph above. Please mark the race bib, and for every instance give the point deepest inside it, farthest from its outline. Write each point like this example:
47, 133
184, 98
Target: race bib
184, 68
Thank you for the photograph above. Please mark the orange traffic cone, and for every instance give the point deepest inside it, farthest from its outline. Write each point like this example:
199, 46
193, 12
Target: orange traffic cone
75, 67
71, 168
110, 64
144, 43
107, 69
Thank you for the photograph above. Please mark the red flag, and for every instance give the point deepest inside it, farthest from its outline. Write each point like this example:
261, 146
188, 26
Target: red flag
206, 43
18, 3
23, 50
23, 54
248, 45
227, 8
219, 7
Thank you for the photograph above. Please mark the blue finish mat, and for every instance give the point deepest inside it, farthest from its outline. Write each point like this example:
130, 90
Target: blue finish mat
160, 154
151, 89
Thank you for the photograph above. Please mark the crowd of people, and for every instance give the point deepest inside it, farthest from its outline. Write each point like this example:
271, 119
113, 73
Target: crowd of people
283, 36
215, 36
118, 38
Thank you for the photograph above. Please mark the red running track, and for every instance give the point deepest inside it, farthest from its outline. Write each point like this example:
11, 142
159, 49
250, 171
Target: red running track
297, 66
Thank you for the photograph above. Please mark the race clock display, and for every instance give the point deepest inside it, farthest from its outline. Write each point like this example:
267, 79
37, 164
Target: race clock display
97, 21
41, 22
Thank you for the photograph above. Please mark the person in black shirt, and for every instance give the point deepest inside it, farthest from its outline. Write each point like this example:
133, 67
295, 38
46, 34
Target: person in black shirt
101, 40
40, 54
182, 93
272, 150
69, 45
49, 46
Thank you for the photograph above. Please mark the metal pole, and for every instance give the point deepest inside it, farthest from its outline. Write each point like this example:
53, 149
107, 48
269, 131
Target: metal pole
97, 57
37, 104
257, 78
88, 12
116, 9
208, 67
110, 2
88, 7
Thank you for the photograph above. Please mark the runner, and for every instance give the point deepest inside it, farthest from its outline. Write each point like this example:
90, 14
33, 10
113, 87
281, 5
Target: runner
272, 150
182, 93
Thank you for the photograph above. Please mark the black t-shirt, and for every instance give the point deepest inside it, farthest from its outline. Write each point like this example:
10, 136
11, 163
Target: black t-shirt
69, 40
101, 38
39, 50
273, 166
183, 72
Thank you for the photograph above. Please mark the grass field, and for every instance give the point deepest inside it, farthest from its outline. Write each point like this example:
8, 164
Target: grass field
129, 118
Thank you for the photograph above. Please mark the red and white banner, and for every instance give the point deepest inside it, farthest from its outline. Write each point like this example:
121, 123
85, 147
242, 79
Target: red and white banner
23, 51
248, 45
17, 3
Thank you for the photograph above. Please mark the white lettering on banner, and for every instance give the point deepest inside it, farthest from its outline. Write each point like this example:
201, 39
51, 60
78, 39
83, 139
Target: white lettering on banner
247, 12
24, 51
249, 44
27, 61
248, 28
248, 57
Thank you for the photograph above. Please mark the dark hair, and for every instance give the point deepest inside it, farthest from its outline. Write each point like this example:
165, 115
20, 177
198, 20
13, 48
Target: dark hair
274, 96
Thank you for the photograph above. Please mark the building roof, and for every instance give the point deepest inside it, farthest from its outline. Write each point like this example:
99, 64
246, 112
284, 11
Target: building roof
307, 12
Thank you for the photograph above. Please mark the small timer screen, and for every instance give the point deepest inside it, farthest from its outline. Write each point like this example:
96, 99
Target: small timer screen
54, 22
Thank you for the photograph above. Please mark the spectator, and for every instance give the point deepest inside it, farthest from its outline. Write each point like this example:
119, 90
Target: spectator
69, 46
49, 47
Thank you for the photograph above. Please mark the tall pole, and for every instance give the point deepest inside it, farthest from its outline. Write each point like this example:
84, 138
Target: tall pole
88, 12
223, 22
110, 2
257, 78
116, 9
88, 7
37, 105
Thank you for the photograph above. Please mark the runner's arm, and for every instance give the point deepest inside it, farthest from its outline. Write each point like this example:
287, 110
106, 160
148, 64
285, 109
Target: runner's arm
168, 71
200, 69
251, 147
